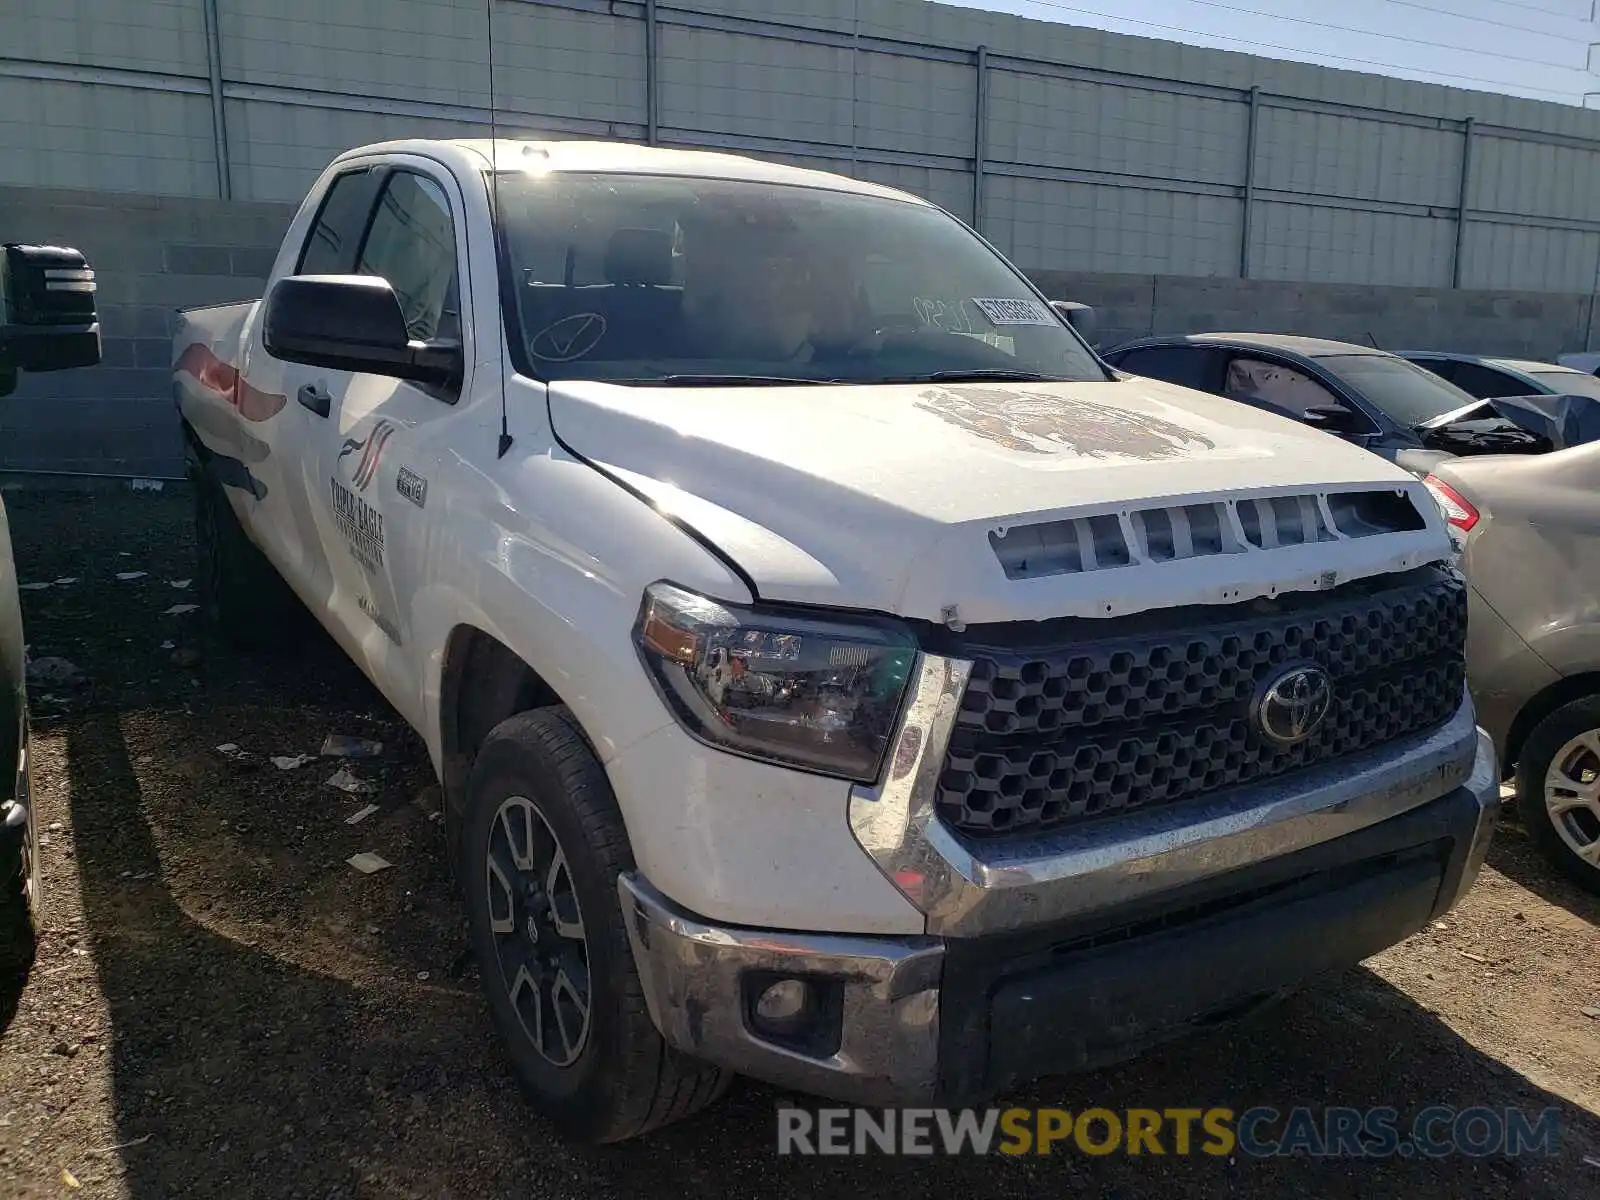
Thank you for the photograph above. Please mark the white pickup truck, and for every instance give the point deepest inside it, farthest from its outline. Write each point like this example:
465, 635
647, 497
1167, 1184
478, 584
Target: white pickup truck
836, 673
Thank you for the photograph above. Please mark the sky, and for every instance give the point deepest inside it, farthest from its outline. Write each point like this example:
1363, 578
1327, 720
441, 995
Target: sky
1533, 48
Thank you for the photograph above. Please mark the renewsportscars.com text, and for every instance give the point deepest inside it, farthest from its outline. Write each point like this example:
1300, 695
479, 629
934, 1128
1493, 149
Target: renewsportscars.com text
1259, 1132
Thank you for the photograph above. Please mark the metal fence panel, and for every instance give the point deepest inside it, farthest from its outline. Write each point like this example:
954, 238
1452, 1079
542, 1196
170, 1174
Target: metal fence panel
569, 64
281, 148
1056, 225
1096, 151
136, 35
1363, 158
1044, 121
61, 134
1517, 258
913, 105
432, 50
1536, 179
1321, 244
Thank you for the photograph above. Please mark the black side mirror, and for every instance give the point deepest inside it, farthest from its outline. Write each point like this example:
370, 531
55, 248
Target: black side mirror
1079, 316
352, 323
1333, 418
48, 320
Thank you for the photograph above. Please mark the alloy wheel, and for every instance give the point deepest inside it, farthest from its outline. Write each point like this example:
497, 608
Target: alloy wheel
1572, 795
538, 929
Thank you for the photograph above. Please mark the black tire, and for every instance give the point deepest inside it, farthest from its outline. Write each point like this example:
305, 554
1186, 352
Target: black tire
1538, 755
22, 896
623, 1080
245, 601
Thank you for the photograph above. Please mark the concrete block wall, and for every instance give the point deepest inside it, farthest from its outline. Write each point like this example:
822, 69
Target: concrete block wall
152, 255
1537, 325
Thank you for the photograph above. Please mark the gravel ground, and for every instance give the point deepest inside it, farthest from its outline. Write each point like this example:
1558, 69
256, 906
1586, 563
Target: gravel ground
220, 1006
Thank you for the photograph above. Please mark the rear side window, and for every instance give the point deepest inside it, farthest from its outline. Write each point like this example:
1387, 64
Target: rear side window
1277, 386
1196, 367
1485, 382
335, 236
1444, 368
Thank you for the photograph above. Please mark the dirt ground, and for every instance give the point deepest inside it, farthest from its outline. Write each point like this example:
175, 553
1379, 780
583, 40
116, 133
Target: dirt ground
219, 1006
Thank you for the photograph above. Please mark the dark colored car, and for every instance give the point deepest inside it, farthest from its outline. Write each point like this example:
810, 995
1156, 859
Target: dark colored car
1488, 378
1370, 397
47, 323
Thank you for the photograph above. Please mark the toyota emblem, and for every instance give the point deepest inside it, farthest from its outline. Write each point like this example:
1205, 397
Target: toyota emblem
1293, 704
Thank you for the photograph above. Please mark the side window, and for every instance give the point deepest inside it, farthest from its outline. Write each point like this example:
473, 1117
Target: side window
1485, 382
335, 236
1278, 387
1444, 368
412, 244
1187, 366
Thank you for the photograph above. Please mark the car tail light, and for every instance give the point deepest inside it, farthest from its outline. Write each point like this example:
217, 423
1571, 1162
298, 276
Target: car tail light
1456, 508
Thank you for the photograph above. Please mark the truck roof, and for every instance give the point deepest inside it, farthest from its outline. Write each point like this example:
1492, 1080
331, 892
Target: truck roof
521, 154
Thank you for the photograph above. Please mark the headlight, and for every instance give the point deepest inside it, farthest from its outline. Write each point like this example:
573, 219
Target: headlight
785, 687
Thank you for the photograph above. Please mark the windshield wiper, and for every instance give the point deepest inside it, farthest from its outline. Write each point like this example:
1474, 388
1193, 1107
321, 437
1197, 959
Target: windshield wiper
970, 375
973, 375
726, 381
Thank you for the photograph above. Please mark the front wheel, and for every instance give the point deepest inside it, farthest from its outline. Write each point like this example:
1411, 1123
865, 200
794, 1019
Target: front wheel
22, 896
542, 845
1558, 789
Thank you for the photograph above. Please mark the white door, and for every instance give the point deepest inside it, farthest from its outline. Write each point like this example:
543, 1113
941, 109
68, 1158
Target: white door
382, 438
281, 425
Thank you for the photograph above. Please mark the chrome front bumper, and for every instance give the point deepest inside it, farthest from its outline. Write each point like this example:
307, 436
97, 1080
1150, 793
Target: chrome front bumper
1356, 858
695, 983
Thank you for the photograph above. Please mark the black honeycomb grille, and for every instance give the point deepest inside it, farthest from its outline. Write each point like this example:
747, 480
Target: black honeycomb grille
1047, 737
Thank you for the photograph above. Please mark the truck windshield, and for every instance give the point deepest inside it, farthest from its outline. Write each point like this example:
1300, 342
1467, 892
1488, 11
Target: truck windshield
645, 279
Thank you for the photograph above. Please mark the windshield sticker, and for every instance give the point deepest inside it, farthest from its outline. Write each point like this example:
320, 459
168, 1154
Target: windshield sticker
569, 338
1014, 312
942, 314
1002, 343
1047, 423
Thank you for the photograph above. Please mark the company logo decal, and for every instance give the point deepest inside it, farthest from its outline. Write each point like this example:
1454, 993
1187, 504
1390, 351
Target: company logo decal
361, 526
1294, 704
375, 615
360, 457
412, 486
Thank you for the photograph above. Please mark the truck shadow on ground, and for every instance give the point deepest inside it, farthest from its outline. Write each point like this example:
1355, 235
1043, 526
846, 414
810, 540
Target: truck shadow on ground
263, 1063
1515, 856
17, 947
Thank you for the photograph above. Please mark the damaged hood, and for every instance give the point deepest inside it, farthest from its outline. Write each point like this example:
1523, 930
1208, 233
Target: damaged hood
1562, 421
1533, 424
891, 497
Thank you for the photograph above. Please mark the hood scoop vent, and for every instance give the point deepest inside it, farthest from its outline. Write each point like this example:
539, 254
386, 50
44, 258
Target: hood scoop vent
1076, 545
